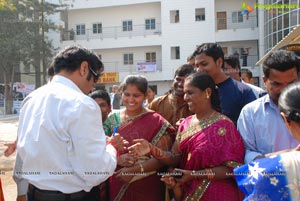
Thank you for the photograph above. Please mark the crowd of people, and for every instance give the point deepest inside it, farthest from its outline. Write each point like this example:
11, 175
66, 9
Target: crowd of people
210, 137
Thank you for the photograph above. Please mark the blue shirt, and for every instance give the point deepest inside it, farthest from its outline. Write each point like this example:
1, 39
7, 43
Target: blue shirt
263, 130
234, 96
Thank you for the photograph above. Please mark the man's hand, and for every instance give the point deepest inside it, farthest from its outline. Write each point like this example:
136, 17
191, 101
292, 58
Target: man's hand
117, 141
21, 198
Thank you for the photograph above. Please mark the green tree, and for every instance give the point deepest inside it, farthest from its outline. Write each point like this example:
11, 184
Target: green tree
22, 40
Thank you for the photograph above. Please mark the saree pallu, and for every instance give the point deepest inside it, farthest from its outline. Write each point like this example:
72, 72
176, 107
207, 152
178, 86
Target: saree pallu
212, 142
273, 178
149, 126
1, 192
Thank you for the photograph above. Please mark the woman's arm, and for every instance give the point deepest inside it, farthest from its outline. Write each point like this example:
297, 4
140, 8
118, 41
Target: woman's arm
215, 173
152, 164
143, 147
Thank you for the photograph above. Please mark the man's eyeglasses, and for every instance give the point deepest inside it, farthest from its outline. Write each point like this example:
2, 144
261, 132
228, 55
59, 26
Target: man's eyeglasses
96, 75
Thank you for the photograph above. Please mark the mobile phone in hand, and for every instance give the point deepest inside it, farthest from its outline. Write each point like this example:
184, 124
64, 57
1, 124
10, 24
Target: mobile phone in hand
177, 174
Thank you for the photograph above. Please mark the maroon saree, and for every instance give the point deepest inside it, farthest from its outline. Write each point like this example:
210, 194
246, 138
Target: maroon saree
149, 126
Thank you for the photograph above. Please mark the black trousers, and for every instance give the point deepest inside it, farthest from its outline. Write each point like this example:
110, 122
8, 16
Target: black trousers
35, 194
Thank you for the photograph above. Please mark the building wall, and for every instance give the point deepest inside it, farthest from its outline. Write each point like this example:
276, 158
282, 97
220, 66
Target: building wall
186, 33
113, 16
83, 4
113, 58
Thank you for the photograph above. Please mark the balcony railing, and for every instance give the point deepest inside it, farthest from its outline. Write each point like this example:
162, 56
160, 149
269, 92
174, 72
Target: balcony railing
119, 66
230, 23
111, 32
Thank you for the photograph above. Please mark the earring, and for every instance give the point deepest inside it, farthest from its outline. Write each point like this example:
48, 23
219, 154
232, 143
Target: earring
207, 95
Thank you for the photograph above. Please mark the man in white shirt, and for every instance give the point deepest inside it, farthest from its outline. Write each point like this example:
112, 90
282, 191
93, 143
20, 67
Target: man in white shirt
62, 148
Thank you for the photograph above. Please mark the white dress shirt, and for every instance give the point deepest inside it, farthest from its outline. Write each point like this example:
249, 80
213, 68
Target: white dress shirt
61, 142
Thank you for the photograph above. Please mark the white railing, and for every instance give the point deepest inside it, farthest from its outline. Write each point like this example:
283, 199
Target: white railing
111, 32
227, 23
118, 66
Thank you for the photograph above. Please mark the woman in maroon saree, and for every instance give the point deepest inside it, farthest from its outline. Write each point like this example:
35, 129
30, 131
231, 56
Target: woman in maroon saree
136, 179
207, 147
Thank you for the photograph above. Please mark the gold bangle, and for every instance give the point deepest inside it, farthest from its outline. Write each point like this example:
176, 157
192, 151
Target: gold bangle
210, 174
142, 168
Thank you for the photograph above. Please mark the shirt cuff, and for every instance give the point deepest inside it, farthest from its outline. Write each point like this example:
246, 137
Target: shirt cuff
111, 149
251, 155
22, 186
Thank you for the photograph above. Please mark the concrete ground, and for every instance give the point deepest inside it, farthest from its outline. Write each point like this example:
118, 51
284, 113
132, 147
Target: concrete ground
8, 133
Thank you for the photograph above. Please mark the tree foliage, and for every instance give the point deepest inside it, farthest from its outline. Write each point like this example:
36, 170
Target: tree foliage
22, 40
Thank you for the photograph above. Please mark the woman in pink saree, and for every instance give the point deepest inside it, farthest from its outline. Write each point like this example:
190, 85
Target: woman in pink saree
207, 148
136, 178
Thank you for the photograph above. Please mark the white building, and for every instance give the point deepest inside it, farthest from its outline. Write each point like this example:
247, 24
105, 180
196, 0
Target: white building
157, 36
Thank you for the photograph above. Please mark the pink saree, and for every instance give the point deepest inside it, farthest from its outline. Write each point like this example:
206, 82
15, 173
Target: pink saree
150, 126
212, 142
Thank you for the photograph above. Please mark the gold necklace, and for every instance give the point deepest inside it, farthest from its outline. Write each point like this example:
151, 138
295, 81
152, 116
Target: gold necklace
204, 118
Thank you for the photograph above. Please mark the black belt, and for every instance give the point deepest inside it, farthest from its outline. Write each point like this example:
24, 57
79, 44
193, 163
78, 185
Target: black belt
37, 194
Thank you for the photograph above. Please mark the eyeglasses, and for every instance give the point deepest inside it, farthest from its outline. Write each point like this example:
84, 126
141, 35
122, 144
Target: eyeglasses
96, 75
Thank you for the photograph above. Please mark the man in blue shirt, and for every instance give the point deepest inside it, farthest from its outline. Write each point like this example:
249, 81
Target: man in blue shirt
260, 123
234, 95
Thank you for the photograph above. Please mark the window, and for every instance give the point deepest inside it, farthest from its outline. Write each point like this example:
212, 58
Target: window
150, 24
127, 25
97, 28
151, 57
174, 16
80, 29
237, 17
175, 52
128, 59
200, 14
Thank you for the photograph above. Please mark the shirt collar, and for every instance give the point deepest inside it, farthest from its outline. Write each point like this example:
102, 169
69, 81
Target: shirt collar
268, 102
65, 81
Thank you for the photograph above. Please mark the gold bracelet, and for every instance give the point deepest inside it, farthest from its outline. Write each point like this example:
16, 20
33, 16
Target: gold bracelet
210, 174
142, 168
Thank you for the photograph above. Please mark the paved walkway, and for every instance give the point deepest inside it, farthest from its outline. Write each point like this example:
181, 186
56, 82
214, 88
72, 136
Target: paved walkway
8, 133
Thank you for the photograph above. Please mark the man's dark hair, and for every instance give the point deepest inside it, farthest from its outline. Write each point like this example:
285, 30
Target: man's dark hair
210, 49
101, 94
184, 70
50, 71
248, 73
71, 58
192, 56
281, 60
152, 88
234, 62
